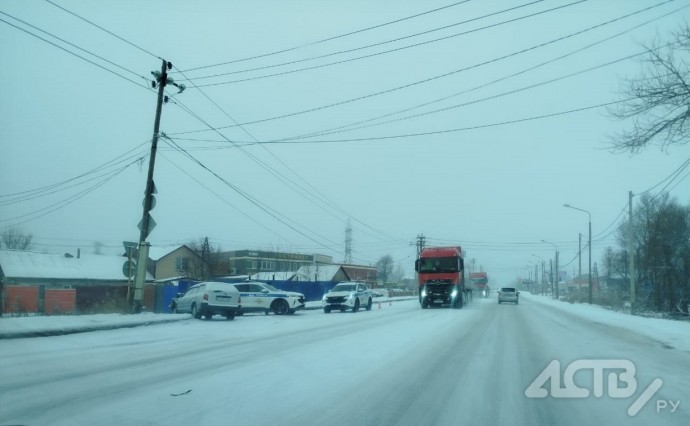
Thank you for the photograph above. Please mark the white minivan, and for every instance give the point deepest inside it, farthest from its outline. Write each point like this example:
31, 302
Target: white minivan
207, 299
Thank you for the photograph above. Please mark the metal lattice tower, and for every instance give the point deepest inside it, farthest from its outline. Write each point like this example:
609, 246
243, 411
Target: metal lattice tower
348, 243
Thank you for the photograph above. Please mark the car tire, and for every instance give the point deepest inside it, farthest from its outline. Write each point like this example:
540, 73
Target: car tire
208, 316
369, 305
230, 316
425, 303
326, 310
280, 307
174, 309
195, 312
343, 310
356, 307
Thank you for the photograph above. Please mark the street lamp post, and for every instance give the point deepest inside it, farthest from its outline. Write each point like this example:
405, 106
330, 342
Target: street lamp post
590, 246
542, 272
557, 274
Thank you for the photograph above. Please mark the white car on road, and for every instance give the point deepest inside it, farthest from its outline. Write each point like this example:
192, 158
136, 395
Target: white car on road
261, 297
207, 299
347, 295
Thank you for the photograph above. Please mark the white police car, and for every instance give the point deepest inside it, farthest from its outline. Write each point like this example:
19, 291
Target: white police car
347, 295
261, 297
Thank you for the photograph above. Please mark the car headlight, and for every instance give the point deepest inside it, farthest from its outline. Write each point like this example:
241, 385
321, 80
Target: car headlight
423, 293
454, 293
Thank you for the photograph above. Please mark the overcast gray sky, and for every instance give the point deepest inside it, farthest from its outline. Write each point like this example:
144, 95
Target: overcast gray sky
451, 81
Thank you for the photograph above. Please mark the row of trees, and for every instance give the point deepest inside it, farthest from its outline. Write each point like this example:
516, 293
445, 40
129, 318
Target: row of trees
657, 106
661, 234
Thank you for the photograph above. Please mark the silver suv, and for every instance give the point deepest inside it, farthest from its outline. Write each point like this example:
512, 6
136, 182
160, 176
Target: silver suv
207, 299
508, 294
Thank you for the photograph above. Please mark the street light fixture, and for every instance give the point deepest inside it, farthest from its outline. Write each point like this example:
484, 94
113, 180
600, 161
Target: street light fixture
589, 244
557, 274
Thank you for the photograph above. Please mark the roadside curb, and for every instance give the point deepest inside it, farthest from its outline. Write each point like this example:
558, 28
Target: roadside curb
75, 330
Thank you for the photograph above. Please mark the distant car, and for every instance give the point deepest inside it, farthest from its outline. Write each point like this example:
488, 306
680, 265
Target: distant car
207, 299
261, 297
347, 295
508, 294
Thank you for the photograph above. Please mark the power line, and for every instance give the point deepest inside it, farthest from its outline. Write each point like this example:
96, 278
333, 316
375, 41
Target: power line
340, 52
392, 50
263, 207
45, 189
105, 30
77, 55
330, 38
224, 200
433, 78
481, 86
61, 204
74, 45
308, 195
670, 178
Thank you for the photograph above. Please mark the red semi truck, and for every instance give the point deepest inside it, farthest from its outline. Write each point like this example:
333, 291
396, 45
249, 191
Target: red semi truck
441, 272
479, 281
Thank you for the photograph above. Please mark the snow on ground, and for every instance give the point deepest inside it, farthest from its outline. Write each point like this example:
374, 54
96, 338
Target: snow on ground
673, 333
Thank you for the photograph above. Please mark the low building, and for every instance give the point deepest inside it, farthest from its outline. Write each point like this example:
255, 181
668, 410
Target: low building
50, 283
251, 262
176, 261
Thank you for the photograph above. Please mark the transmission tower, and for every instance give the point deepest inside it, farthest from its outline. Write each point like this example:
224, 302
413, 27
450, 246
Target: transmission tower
348, 244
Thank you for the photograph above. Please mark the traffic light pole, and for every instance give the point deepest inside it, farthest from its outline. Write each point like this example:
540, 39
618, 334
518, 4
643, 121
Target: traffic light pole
145, 224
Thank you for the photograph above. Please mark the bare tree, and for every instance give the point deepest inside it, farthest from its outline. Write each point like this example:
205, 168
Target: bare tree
398, 273
661, 231
210, 256
658, 102
384, 267
14, 238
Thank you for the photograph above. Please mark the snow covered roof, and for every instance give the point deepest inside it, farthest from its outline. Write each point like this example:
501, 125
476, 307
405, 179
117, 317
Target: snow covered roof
322, 272
157, 252
267, 276
26, 264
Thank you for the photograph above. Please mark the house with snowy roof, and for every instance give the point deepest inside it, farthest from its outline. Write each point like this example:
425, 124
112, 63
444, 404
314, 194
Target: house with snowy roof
66, 283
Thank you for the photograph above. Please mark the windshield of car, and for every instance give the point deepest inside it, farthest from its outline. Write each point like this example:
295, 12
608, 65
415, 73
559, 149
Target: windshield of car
508, 290
345, 287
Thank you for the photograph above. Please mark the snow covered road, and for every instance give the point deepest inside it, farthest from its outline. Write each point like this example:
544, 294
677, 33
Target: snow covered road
398, 365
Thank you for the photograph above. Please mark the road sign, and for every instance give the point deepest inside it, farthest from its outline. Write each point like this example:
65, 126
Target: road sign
129, 268
152, 224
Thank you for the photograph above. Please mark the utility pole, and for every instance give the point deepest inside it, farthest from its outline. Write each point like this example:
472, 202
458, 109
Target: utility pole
631, 251
147, 223
579, 255
421, 241
558, 278
551, 267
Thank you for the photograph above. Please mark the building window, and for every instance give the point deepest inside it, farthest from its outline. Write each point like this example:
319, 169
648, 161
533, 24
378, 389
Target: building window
254, 265
267, 265
182, 264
